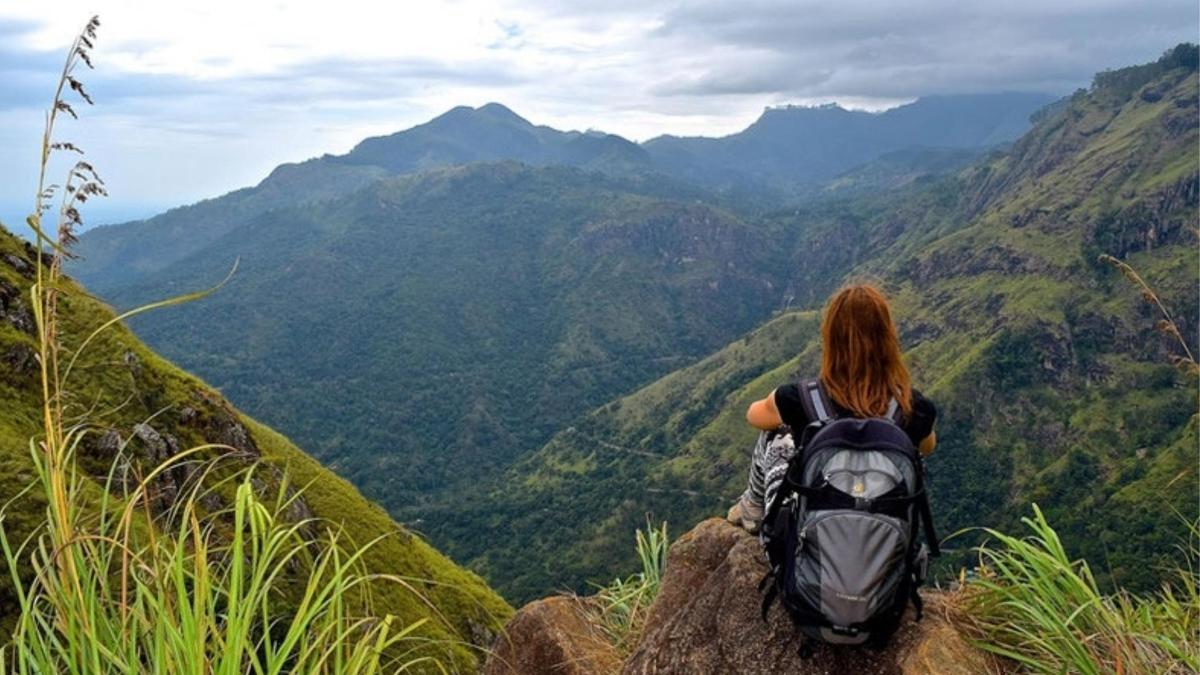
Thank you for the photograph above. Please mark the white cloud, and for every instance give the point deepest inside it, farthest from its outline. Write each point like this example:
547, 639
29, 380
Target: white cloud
220, 91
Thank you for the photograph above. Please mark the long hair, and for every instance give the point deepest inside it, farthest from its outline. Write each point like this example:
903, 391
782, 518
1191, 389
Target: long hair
861, 365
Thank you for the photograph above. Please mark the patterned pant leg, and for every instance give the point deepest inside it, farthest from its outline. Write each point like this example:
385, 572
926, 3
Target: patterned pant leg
768, 465
757, 483
775, 462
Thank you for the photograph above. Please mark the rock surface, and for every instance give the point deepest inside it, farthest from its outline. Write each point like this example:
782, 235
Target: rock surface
553, 636
707, 619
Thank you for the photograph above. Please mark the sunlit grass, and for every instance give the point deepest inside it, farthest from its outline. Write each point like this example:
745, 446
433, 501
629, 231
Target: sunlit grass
623, 605
238, 590
1032, 604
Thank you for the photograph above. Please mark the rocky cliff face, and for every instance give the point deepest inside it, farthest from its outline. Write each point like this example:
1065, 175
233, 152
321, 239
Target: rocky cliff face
706, 619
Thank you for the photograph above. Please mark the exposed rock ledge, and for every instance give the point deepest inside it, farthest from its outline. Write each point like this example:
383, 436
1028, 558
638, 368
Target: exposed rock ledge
706, 620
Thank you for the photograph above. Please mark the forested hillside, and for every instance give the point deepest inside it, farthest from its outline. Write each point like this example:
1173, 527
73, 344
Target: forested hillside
425, 331
144, 410
425, 321
1054, 383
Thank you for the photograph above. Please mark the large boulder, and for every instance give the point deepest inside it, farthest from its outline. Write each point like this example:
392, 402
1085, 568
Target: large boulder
707, 619
553, 636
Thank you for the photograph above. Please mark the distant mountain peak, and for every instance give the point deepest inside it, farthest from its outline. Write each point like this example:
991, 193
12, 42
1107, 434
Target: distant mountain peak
501, 111
488, 113
799, 107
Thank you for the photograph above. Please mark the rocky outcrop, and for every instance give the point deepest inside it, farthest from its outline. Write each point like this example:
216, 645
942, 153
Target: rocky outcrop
19, 363
21, 265
707, 619
13, 310
210, 421
555, 636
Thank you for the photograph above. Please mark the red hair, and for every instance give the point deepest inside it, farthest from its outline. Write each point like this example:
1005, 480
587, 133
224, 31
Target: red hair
862, 367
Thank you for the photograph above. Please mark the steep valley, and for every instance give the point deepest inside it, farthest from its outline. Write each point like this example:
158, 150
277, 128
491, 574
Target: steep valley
1054, 383
425, 331
142, 410
439, 337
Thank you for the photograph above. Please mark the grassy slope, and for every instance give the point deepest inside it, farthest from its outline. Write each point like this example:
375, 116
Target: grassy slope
1053, 384
120, 373
118, 255
568, 512
414, 334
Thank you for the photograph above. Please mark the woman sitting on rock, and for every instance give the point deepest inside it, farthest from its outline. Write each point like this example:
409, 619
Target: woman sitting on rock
863, 374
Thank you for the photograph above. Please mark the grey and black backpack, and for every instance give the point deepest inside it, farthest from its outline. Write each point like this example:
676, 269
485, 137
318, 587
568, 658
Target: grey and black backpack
842, 524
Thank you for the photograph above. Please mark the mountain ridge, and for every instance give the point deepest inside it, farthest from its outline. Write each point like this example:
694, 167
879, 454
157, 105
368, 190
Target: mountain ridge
491, 132
790, 146
1053, 382
489, 294
113, 256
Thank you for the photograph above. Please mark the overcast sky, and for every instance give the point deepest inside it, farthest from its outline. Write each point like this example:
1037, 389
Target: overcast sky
197, 97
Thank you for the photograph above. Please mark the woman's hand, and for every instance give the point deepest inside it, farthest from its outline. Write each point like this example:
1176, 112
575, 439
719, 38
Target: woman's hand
763, 414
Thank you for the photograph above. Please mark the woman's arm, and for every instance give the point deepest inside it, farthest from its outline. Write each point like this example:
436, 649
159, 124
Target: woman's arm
763, 414
924, 417
928, 444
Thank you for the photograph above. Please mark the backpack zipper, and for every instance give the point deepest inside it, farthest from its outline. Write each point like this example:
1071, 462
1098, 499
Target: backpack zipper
859, 471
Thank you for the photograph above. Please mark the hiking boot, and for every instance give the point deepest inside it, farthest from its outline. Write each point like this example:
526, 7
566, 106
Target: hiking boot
746, 514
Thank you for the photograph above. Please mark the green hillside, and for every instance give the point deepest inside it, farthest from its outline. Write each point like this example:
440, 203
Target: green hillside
132, 395
754, 166
425, 334
898, 169
421, 333
114, 256
1053, 383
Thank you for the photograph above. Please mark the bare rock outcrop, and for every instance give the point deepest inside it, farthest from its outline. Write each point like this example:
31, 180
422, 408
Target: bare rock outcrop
707, 620
554, 636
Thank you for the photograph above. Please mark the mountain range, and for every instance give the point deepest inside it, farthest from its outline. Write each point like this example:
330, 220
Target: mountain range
787, 149
1055, 385
416, 333
524, 342
794, 146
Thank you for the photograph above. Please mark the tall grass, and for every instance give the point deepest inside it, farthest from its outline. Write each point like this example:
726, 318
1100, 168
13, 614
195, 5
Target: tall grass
1031, 603
117, 585
1184, 361
623, 605
239, 590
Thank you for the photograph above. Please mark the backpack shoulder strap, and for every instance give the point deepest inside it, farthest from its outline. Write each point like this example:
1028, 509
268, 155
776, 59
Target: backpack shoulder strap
817, 405
894, 413
926, 515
